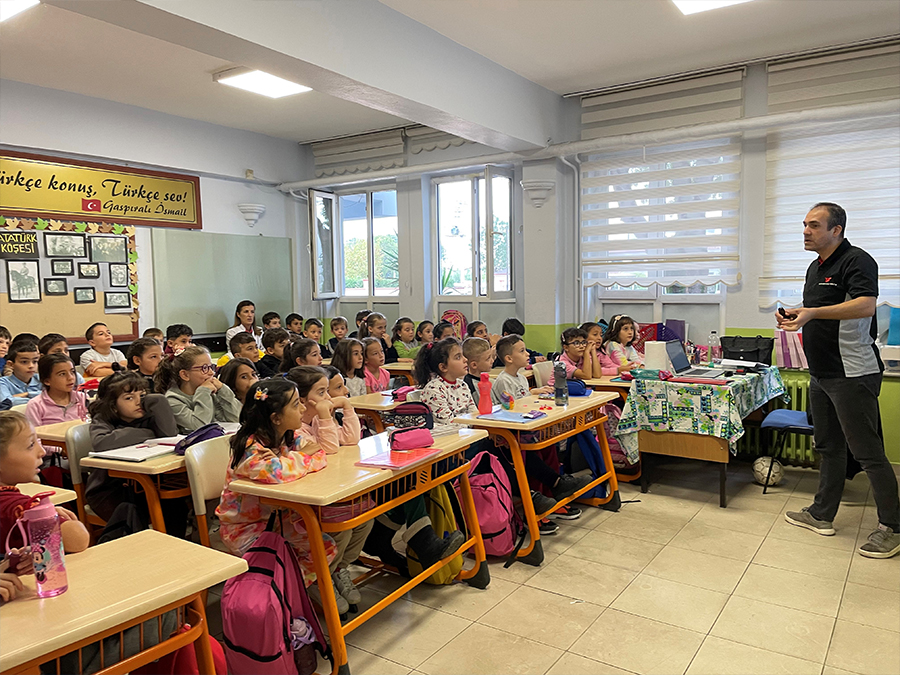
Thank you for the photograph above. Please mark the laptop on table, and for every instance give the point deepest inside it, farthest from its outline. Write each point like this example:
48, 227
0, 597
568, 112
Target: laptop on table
683, 368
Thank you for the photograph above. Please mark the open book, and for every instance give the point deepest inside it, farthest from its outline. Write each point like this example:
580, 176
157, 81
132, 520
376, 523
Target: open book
154, 447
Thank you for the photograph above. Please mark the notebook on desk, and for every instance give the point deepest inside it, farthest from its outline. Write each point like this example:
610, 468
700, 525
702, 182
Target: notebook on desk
155, 447
398, 459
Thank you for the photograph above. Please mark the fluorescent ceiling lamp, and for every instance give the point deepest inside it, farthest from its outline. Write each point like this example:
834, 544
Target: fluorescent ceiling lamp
9, 8
259, 83
694, 6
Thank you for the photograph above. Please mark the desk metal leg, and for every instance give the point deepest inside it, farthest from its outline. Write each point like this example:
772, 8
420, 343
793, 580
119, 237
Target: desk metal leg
374, 418
723, 473
152, 495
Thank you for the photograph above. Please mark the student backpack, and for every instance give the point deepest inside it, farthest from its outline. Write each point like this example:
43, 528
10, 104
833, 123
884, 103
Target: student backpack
443, 510
458, 320
493, 500
585, 445
259, 607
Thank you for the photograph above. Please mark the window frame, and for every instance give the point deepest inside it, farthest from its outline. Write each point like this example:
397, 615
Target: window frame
336, 260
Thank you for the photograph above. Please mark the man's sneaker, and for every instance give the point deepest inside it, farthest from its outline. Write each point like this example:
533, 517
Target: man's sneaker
802, 518
542, 503
568, 512
342, 605
343, 584
546, 527
567, 485
882, 543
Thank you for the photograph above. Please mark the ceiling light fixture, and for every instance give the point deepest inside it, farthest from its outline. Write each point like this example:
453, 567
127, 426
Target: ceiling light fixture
694, 6
9, 8
259, 82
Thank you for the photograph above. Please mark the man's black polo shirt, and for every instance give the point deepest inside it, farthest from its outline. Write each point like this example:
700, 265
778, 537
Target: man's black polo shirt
841, 348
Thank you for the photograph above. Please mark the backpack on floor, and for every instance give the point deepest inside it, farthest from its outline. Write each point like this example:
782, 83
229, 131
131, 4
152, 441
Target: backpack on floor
614, 414
259, 608
493, 500
584, 445
443, 510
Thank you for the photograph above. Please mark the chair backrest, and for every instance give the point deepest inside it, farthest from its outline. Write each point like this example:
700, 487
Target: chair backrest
78, 445
207, 465
79, 370
542, 372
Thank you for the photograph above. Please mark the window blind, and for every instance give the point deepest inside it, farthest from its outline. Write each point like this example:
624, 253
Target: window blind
663, 215
357, 154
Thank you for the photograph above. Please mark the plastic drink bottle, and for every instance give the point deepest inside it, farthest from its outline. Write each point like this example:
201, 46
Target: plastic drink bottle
560, 386
714, 345
45, 538
485, 405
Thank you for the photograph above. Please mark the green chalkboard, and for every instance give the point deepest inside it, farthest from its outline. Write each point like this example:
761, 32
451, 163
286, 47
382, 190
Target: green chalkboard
198, 277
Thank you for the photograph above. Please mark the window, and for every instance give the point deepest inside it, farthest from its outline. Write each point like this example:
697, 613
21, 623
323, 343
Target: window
474, 216
369, 232
321, 225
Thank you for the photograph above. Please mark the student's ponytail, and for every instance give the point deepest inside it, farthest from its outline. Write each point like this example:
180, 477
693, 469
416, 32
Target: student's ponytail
430, 357
166, 375
367, 325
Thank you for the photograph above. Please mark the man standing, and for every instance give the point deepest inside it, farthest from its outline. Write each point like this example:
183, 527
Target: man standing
839, 329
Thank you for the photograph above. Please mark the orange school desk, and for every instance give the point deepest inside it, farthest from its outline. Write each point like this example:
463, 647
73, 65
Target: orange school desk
371, 406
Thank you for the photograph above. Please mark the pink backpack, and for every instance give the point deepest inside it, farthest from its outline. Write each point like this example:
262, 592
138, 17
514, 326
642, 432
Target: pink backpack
492, 495
259, 608
614, 414
458, 320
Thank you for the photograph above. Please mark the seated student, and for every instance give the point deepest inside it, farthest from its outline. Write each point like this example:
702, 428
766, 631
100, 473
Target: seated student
579, 364
617, 344
512, 352
243, 345
5, 339
348, 359
302, 352
479, 356
425, 333
21, 337
443, 330
23, 383
403, 339
101, 359
179, 336
594, 340
375, 326
196, 396
377, 378
54, 343
361, 316
294, 323
155, 333
479, 329
512, 326
319, 426
244, 322
271, 320
59, 401
239, 375
339, 328
124, 414
274, 342
313, 331
267, 449
144, 355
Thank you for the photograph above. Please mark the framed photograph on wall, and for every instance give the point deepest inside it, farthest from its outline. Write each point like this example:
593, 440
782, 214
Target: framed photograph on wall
88, 270
108, 249
118, 275
23, 280
85, 296
62, 268
65, 245
55, 287
120, 300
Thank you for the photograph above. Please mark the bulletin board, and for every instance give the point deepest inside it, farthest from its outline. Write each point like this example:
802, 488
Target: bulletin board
60, 276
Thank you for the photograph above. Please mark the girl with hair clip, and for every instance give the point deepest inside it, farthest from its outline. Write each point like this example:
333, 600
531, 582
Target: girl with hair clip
196, 396
440, 369
375, 326
266, 449
245, 320
302, 352
348, 359
319, 426
403, 339
616, 348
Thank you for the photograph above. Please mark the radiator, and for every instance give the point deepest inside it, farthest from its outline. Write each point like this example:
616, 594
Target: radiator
798, 449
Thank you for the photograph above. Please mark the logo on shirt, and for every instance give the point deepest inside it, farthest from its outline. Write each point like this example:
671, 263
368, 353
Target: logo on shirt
827, 279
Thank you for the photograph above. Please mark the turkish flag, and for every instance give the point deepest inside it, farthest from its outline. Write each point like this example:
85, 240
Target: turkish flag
90, 205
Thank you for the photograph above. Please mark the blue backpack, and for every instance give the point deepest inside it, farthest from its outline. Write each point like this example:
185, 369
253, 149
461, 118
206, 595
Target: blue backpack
586, 441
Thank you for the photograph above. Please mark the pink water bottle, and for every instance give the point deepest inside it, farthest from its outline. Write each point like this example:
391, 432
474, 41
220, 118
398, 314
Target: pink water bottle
485, 405
45, 538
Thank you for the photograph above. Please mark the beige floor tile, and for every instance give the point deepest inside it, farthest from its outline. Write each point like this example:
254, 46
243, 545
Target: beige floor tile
582, 579
831, 670
538, 615
735, 518
707, 571
364, 663
572, 664
871, 606
670, 602
407, 633
567, 535
654, 504
637, 644
805, 558
808, 592
869, 520
591, 517
778, 629
766, 503
872, 572
723, 657
657, 528
482, 649
691, 492
716, 541
518, 572
844, 538
611, 549
864, 649
461, 599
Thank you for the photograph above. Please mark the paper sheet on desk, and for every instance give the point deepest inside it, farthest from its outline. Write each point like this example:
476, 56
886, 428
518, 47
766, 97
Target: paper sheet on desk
730, 364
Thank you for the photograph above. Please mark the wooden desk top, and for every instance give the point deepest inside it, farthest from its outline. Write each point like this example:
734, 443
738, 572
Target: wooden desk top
405, 366
61, 495
377, 401
606, 381
109, 585
342, 478
157, 465
56, 432
576, 404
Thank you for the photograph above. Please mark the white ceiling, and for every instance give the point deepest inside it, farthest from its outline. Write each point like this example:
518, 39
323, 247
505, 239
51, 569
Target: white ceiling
50, 47
573, 45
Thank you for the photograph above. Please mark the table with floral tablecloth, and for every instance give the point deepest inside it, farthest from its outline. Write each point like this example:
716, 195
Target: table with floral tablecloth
705, 409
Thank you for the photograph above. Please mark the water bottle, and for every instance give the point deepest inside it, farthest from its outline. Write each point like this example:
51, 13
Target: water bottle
485, 405
561, 387
714, 351
45, 538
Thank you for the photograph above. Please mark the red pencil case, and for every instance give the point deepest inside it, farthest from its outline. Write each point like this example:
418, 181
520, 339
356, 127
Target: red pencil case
410, 438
